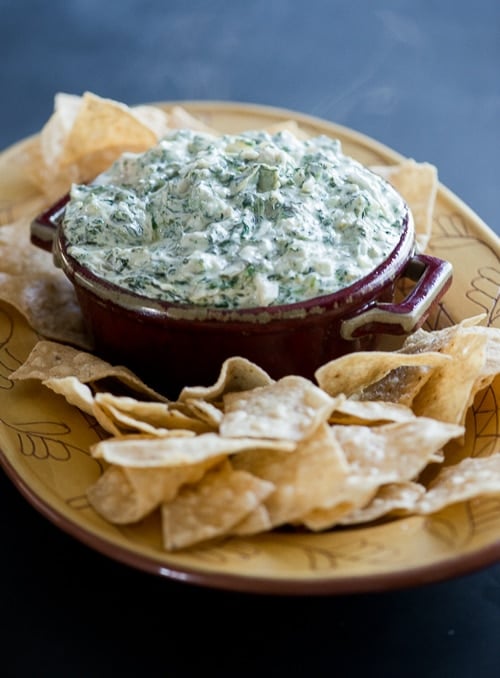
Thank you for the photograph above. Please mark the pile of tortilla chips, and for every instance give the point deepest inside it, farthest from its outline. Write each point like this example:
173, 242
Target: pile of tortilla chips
250, 454
375, 434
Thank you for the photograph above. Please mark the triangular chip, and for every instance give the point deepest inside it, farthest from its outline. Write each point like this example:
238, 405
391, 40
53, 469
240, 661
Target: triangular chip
353, 373
126, 495
289, 409
210, 509
469, 479
101, 124
50, 359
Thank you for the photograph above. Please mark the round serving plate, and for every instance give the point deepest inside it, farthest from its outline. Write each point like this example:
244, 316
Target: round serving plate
44, 442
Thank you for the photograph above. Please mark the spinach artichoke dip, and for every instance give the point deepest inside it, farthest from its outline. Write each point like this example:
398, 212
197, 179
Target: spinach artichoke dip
234, 221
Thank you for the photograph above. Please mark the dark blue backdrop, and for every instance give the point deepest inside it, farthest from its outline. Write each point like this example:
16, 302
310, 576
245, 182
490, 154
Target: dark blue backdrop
419, 75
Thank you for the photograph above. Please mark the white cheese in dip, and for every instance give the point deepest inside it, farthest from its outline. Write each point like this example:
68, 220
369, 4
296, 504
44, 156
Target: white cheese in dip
234, 221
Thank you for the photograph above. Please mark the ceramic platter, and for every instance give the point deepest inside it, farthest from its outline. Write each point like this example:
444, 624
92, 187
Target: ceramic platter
44, 441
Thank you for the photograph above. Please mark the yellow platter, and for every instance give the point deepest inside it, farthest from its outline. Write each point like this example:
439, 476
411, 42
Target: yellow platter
44, 441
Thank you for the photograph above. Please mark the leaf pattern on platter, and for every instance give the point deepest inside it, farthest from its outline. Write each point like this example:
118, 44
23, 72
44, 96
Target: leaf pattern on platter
451, 226
43, 440
485, 293
457, 526
8, 360
359, 550
486, 421
317, 555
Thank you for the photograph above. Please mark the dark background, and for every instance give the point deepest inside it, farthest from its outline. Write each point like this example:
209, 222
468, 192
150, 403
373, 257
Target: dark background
421, 76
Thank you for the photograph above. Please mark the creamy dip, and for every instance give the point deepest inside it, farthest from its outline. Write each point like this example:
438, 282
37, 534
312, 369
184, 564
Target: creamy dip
234, 221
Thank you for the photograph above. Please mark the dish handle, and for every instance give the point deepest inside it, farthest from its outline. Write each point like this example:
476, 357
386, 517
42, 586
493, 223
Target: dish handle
44, 227
432, 276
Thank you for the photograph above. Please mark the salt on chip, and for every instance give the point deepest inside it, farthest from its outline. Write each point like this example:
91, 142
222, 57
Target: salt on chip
396, 451
422, 340
31, 283
146, 452
289, 409
311, 476
399, 386
212, 507
471, 478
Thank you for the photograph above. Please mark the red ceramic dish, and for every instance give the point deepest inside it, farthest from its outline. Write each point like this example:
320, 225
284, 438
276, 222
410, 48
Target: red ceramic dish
172, 345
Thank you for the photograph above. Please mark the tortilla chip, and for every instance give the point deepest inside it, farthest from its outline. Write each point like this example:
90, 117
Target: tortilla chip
48, 303
219, 501
74, 391
369, 412
113, 497
357, 493
146, 452
236, 374
290, 409
126, 495
255, 522
85, 135
377, 456
205, 412
394, 498
442, 340
469, 479
396, 451
310, 477
50, 359
417, 182
449, 392
353, 373
154, 418
103, 124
